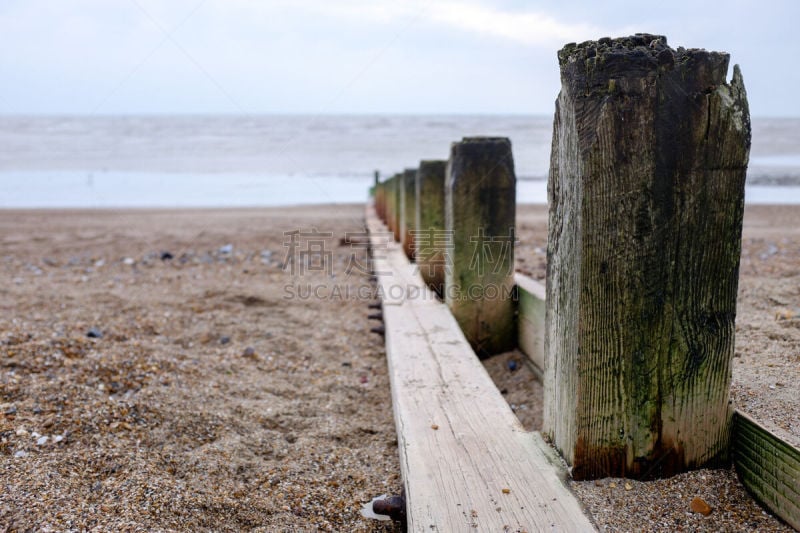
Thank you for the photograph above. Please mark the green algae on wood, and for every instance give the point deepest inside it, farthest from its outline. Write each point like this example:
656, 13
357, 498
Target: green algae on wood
646, 194
430, 238
768, 467
480, 205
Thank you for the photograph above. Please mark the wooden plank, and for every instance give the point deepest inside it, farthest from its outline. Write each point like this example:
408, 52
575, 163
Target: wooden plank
467, 462
768, 467
531, 311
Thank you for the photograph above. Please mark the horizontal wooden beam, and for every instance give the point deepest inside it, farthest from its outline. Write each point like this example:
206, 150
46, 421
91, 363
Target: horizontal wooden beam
768, 466
467, 462
531, 310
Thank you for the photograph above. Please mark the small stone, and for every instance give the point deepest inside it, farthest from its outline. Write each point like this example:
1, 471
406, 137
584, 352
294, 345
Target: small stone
512, 365
363, 380
628, 486
225, 250
347, 364
167, 256
20, 453
699, 505
612, 485
506, 491
41, 441
21, 432
434, 427
11, 410
94, 333
249, 352
224, 339
130, 261
58, 438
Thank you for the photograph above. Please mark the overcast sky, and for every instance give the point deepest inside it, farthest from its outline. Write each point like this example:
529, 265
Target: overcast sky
356, 56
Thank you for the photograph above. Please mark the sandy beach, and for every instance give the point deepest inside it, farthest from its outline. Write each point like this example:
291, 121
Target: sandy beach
207, 370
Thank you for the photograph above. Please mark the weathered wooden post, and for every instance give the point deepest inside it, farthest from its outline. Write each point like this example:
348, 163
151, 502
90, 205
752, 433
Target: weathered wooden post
409, 179
378, 195
646, 193
397, 222
388, 203
430, 239
480, 206
382, 203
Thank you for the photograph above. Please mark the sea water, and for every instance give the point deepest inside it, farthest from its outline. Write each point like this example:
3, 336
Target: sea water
219, 161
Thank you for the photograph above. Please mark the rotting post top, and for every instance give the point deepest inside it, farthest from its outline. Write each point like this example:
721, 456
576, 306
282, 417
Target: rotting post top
638, 55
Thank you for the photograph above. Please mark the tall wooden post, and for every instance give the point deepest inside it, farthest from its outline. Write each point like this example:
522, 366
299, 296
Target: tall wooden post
431, 239
409, 180
646, 193
480, 203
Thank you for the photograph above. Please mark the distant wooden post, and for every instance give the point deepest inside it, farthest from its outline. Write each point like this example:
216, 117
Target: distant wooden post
391, 194
431, 239
387, 195
480, 203
382, 203
397, 222
377, 187
646, 193
409, 180
378, 200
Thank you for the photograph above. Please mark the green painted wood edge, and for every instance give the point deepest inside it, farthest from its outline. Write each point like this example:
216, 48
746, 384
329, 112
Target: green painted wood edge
767, 467
530, 320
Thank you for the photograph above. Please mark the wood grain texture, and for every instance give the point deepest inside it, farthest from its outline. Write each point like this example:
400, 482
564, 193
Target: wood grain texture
646, 192
768, 467
431, 245
531, 318
480, 207
467, 463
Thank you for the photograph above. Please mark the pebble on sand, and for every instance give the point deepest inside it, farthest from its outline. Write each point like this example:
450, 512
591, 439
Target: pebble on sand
249, 352
699, 505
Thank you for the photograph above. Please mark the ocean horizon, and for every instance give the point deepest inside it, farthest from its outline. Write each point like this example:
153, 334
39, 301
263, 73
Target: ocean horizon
274, 160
